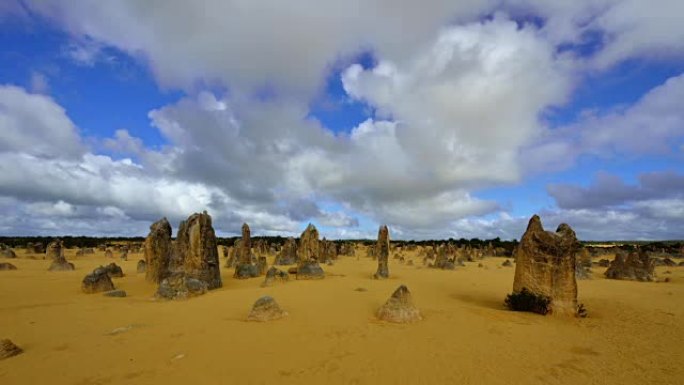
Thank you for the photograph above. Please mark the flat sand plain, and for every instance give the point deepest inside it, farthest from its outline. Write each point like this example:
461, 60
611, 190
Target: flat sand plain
634, 333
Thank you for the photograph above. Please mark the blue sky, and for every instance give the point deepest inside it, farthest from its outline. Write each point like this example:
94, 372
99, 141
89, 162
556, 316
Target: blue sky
452, 121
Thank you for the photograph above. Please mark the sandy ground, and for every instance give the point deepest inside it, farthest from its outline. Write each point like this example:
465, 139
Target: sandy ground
634, 333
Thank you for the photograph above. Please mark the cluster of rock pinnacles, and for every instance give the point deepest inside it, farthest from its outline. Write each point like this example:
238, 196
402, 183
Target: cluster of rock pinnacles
190, 266
547, 267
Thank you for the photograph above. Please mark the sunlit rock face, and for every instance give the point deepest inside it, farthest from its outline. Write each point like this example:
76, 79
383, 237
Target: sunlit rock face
157, 251
196, 250
545, 265
382, 250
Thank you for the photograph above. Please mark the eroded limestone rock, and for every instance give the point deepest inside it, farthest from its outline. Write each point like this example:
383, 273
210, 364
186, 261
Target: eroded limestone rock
245, 267
545, 266
98, 281
583, 265
157, 251
382, 250
309, 244
7, 266
55, 253
180, 286
274, 275
113, 270
196, 251
141, 267
266, 309
399, 307
55, 250
308, 267
288, 253
8, 253
8, 349
636, 266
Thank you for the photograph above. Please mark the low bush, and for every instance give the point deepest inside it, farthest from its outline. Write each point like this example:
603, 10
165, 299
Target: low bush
525, 300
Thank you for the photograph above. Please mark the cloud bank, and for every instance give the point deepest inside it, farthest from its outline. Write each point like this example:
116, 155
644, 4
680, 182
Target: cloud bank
458, 95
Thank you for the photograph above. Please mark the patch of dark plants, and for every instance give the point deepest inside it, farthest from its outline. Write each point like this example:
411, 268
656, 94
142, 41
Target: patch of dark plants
527, 301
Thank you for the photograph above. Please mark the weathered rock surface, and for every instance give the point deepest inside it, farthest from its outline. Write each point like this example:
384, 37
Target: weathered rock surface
7, 253
85, 251
266, 309
399, 308
442, 260
197, 253
347, 249
245, 271
382, 250
309, 244
55, 253
245, 268
180, 286
583, 265
308, 267
98, 281
113, 270
637, 266
245, 247
507, 263
288, 254
668, 262
274, 275
55, 250
61, 264
232, 260
309, 270
8, 349
545, 266
327, 250
7, 266
141, 267
157, 251
35, 248
262, 265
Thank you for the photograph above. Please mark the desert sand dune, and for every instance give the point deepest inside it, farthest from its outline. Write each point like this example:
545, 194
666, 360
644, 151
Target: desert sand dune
633, 334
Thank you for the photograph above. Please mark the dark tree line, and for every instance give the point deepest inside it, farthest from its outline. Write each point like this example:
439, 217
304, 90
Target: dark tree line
69, 241
509, 246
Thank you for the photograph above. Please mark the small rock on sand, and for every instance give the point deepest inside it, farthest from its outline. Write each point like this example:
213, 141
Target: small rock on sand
7, 266
399, 307
97, 281
8, 349
266, 309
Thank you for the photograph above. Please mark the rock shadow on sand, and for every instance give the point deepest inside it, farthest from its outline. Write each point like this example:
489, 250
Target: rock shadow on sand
481, 300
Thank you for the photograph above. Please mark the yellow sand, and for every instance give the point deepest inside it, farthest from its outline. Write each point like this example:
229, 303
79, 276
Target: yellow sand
635, 333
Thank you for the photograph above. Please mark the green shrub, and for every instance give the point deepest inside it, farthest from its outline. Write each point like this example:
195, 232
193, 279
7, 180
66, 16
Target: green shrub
525, 300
